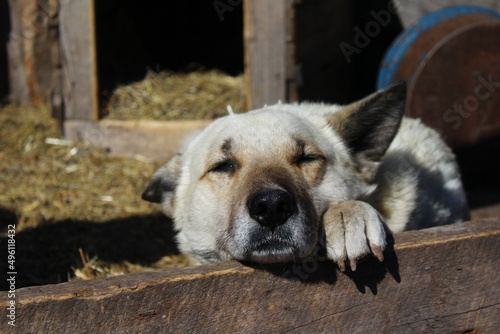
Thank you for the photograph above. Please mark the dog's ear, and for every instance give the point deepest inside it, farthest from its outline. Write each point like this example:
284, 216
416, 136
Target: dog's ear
163, 183
369, 126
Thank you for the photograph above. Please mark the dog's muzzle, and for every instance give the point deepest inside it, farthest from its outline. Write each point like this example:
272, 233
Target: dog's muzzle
275, 236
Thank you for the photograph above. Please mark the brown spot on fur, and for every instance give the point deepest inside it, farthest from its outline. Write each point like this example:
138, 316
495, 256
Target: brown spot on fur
226, 147
227, 156
299, 148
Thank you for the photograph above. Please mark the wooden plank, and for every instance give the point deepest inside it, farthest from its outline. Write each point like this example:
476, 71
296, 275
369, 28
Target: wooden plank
40, 29
148, 139
438, 280
15, 49
292, 51
265, 35
78, 58
33, 50
487, 211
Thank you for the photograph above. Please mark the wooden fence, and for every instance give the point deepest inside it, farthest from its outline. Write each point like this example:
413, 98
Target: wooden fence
438, 280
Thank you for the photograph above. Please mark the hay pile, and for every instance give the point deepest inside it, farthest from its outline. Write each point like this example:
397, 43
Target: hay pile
173, 96
73, 205
43, 181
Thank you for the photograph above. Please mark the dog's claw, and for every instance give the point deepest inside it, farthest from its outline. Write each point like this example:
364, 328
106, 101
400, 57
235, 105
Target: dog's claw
341, 264
353, 265
378, 252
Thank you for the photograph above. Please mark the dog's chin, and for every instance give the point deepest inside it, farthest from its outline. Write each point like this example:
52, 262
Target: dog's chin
287, 243
273, 255
275, 252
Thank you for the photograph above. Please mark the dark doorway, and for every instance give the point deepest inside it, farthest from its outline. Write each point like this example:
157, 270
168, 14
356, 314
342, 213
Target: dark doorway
136, 37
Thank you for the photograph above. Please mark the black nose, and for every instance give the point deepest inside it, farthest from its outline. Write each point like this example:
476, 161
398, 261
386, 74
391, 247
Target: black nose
271, 207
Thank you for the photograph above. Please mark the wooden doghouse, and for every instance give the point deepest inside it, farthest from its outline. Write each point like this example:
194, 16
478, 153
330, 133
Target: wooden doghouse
441, 279
291, 49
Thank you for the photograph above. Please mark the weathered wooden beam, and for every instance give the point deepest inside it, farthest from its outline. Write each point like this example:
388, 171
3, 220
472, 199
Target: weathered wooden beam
31, 45
438, 280
150, 139
265, 35
292, 51
78, 58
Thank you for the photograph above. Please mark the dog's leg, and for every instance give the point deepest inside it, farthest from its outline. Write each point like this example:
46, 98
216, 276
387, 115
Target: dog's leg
353, 229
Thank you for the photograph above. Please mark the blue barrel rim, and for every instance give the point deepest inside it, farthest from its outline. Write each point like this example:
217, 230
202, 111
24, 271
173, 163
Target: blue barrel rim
399, 47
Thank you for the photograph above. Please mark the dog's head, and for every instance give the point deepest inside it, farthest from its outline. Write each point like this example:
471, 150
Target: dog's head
254, 186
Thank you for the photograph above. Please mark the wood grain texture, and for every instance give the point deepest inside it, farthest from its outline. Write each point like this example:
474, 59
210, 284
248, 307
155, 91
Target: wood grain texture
150, 139
265, 35
292, 51
33, 49
438, 280
78, 58
19, 91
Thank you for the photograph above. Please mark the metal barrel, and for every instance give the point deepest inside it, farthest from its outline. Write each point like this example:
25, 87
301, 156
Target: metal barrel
451, 62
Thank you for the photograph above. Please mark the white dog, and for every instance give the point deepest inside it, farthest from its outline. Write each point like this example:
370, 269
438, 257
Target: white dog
267, 185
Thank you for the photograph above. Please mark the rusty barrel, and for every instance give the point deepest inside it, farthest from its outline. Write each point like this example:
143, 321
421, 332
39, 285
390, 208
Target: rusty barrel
451, 62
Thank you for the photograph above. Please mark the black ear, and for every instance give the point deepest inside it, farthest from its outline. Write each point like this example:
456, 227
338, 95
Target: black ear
163, 182
369, 126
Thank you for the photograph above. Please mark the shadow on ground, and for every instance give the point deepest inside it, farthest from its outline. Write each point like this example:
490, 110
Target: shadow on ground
49, 253
316, 268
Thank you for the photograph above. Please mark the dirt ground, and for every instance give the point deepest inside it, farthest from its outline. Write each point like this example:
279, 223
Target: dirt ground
77, 211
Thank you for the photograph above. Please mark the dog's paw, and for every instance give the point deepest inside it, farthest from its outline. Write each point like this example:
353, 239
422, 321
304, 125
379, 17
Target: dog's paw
353, 229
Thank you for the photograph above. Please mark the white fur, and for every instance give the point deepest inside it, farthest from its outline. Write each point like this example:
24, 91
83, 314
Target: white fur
417, 185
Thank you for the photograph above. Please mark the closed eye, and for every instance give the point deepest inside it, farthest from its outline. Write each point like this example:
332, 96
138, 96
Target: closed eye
224, 166
308, 158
